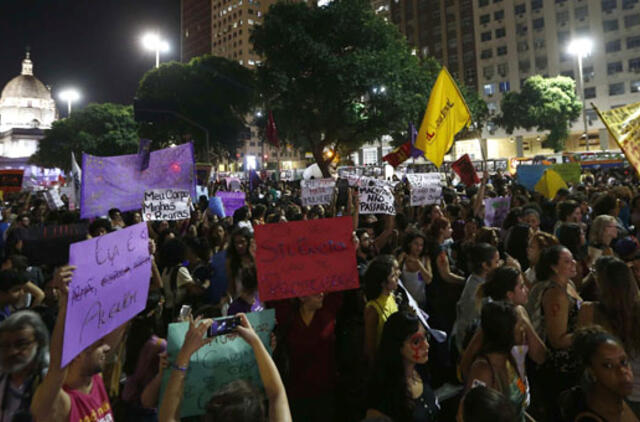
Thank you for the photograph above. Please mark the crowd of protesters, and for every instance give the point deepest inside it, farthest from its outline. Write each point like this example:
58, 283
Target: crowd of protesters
535, 320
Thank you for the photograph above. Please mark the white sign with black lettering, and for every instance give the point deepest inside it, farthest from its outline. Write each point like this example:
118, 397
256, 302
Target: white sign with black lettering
317, 191
426, 188
53, 199
166, 204
377, 199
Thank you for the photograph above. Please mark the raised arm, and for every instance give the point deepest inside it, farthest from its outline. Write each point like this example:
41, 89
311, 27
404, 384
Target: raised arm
273, 385
50, 402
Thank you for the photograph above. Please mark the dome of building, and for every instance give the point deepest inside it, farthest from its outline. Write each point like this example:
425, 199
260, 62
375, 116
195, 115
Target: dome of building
26, 85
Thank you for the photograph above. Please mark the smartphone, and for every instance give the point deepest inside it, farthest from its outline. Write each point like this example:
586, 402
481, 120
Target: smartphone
185, 311
223, 326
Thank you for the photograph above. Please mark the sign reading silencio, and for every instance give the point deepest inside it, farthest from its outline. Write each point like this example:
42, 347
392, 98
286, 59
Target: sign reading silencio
166, 204
303, 258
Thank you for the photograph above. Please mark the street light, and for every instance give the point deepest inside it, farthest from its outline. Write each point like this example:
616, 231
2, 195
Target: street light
69, 95
581, 47
153, 42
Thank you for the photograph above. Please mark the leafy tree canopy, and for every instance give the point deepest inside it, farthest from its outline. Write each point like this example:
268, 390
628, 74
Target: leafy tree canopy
214, 92
550, 104
98, 129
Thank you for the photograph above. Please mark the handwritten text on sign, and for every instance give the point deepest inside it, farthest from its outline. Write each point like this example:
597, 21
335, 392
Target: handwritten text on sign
109, 286
317, 191
426, 188
303, 258
376, 199
218, 363
166, 204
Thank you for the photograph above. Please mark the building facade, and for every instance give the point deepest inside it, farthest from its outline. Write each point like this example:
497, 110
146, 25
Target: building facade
520, 38
195, 22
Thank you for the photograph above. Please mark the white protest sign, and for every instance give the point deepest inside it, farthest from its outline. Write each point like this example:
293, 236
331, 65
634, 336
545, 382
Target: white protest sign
355, 180
377, 199
70, 192
317, 191
53, 199
496, 210
426, 188
166, 204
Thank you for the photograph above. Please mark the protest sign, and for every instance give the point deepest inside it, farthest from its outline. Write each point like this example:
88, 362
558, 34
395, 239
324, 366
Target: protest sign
233, 183
117, 182
70, 193
218, 363
569, 172
201, 191
355, 180
317, 191
108, 288
496, 210
465, 170
49, 245
303, 258
426, 188
376, 199
528, 175
166, 204
231, 201
216, 207
53, 199
11, 180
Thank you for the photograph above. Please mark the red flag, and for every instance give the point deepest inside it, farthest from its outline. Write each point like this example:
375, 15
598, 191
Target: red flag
272, 131
465, 169
398, 155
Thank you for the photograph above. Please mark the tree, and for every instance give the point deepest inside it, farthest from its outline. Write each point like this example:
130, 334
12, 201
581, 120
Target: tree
98, 129
214, 92
546, 103
336, 76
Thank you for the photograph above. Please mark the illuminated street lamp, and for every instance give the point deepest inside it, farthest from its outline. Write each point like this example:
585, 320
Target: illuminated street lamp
153, 42
69, 95
581, 47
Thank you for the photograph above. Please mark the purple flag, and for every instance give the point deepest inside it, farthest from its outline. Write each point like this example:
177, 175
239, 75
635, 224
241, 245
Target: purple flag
108, 288
231, 201
144, 152
413, 134
254, 180
117, 182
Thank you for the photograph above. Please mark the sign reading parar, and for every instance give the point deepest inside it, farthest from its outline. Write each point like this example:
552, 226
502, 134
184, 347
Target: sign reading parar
166, 204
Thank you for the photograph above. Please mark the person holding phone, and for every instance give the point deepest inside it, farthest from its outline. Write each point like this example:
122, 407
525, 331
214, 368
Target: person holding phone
237, 401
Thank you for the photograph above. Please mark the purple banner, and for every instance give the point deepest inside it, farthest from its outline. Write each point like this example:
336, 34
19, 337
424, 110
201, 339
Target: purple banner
109, 286
117, 182
231, 201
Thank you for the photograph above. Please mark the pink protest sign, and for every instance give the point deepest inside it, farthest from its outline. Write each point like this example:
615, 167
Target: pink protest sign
109, 286
304, 258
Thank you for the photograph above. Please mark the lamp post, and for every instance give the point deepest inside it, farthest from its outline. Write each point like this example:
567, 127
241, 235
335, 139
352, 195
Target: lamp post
153, 42
581, 47
69, 95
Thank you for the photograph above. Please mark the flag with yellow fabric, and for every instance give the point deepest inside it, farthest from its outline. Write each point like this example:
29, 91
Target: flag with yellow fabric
446, 115
623, 124
549, 184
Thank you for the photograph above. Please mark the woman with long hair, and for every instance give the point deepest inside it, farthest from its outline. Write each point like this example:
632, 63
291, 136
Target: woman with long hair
239, 257
538, 241
416, 268
380, 281
516, 243
398, 389
572, 237
618, 311
495, 366
603, 231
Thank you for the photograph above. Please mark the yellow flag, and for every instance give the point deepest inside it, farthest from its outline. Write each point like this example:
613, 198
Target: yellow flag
446, 115
549, 184
624, 125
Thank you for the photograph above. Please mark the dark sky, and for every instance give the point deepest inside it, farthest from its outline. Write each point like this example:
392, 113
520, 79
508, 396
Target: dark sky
93, 45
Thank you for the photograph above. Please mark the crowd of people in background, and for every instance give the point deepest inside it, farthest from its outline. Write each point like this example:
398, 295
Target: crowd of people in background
535, 320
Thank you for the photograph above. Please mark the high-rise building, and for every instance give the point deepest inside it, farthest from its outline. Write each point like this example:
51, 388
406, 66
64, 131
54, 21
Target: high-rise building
195, 22
442, 29
520, 38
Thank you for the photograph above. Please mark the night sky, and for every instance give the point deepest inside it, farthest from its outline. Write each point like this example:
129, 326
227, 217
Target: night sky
93, 45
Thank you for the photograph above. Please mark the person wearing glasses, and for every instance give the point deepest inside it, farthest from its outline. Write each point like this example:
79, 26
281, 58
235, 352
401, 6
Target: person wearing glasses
24, 357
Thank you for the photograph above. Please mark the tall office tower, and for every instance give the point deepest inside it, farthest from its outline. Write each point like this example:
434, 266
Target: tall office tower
195, 22
442, 29
520, 38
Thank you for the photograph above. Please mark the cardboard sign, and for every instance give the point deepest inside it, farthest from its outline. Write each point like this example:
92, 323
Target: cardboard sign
166, 204
303, 258
53, 199
377, 199
49, 245
231, 201
426, 188
117, 182
496, 210
355, 180
465, 170
317, 191
218, 363
109, 286
11, 180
